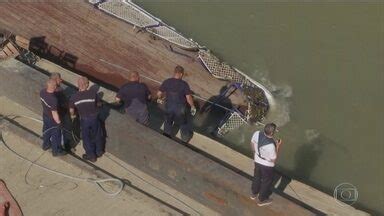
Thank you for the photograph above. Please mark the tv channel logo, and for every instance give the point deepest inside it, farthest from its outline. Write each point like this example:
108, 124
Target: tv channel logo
345, 194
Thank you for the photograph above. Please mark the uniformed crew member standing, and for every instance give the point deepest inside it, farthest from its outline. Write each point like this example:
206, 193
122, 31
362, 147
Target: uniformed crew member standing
86, 103
265, 149
135, 96
63, 110
52, 133
177, 94
62, 99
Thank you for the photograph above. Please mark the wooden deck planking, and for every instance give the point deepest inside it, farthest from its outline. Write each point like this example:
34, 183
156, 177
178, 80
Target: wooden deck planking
91, 35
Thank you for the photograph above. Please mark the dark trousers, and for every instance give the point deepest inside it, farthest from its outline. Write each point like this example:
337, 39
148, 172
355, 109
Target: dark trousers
92, 135
176, 114
139, 112
262, 181
51, 135
68, 140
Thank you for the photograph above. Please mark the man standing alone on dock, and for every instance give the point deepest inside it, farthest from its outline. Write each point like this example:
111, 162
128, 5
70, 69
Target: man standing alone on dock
135, 96
51, 121
86, 102
177, 95
265, 149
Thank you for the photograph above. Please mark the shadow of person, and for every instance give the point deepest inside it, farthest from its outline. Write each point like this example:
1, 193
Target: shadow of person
104, 113
39, 46
281, 181
210, 114
307, 157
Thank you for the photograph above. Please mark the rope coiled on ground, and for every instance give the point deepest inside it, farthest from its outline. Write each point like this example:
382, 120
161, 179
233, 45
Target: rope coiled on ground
98, 182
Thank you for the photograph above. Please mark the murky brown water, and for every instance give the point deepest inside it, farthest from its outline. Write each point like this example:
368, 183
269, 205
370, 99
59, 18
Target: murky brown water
324, 63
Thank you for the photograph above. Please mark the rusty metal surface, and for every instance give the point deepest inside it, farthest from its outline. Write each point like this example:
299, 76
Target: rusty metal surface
84, 39
192, 174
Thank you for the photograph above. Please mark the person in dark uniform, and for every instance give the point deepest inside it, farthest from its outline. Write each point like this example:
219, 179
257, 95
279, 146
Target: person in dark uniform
86, 103
59, 92
135, 96
63, 110
52, 134
177, 94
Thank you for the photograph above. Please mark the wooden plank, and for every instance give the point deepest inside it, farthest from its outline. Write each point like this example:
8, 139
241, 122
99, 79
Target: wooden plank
3, 55
22, 42
12, 48
7, 51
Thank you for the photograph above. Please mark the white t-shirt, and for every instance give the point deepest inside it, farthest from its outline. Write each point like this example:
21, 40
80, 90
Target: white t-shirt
268, 152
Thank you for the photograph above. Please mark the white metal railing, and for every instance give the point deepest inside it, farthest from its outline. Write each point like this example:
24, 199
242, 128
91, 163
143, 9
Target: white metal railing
135, 15
234, 121
125, 11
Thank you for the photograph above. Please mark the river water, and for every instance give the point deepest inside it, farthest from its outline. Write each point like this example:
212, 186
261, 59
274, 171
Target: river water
324, 64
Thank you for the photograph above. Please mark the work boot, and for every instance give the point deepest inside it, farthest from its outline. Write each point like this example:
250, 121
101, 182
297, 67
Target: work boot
60, 153
100, 154
264, 202
45, 148
254, 196
86, 157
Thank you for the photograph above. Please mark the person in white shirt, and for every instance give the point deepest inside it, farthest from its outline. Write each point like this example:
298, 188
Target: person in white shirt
265, 149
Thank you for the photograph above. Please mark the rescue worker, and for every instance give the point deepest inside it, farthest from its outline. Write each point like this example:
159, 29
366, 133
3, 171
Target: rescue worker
177, 94
62, 99
266, 150
135, 96
52, 134
86, 103
63, 110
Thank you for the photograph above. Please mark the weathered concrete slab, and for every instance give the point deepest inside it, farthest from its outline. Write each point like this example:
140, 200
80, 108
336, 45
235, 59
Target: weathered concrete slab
175, 165
39, 192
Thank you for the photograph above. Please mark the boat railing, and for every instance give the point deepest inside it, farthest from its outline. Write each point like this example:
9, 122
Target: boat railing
135, 15
231, 121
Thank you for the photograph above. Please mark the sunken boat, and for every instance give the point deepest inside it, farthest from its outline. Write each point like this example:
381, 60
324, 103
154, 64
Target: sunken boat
105, 40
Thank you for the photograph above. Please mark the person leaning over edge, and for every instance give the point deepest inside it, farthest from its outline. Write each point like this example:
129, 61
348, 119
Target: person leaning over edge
51, 120
177, 94
135, 96
86, 103
265, 149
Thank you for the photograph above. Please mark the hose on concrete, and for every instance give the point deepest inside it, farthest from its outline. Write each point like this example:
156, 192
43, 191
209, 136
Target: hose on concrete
98, 182
75, 138
95, 181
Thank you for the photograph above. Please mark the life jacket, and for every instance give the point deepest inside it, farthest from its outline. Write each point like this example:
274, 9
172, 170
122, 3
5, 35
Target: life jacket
262, 141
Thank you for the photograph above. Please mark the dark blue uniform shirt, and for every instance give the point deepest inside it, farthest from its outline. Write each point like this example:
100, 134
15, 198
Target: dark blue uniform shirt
49, 102
133, 90
175, 90
62, 101
85, 102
